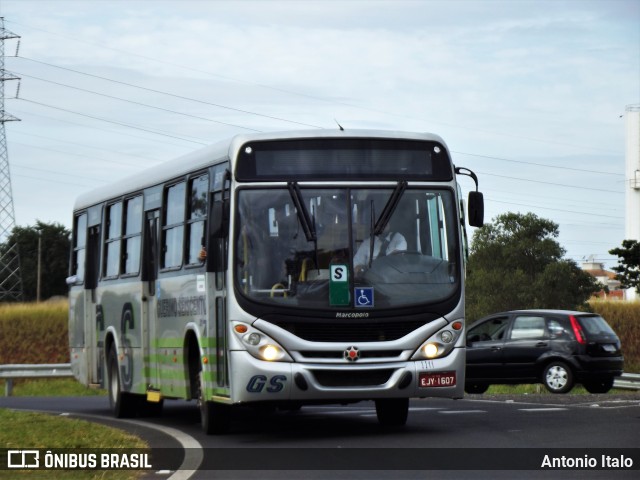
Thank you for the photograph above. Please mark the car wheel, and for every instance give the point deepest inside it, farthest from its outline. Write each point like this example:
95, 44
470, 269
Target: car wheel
599, 386
476, 387
557, 377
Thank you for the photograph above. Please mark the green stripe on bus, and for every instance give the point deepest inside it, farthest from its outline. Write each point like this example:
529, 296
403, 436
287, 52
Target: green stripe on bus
167, 343
172, 375
205, 342
209, 342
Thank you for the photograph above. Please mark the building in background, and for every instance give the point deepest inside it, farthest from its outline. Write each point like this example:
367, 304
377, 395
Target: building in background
605, 277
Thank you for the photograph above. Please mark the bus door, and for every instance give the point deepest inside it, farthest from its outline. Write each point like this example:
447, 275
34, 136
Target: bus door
150, 275
95, 320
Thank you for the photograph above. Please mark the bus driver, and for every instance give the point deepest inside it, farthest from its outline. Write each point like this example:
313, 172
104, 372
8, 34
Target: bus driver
386, 244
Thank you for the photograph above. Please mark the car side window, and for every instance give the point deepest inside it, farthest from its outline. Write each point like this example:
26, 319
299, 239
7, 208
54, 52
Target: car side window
528, 327
490, 330
556, 330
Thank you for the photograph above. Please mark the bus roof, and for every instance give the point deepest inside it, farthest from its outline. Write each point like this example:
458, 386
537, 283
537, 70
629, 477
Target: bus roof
219, 152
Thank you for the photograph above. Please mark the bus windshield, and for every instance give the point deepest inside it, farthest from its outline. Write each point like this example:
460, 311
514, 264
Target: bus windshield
324, 258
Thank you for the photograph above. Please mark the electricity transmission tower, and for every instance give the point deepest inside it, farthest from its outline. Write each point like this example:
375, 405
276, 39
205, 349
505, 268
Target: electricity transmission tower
10, 277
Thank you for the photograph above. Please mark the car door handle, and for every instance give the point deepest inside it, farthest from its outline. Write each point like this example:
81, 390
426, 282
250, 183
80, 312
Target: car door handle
496, 349
541, 344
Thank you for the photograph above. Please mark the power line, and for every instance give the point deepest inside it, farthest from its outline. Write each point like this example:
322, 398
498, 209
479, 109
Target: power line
86, 146
558, 209
549, 183
182, 97
291, 92
92, 127
58, 173
540, 164
599, 172
49, 180
47, 149
140, 103
164, 134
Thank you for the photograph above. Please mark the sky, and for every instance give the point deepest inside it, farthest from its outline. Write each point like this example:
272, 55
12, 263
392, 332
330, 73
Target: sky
530, 95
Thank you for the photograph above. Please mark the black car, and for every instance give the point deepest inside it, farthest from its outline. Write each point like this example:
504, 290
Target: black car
556, 347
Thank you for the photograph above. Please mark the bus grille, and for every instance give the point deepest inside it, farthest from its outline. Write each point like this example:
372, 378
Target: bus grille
340, 354
352, 378
350, 332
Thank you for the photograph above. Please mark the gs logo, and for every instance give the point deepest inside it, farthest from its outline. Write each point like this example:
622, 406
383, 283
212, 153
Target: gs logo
257, 384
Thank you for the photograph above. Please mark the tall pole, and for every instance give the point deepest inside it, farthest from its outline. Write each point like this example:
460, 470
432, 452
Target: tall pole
39, 264
10, 277
632, 183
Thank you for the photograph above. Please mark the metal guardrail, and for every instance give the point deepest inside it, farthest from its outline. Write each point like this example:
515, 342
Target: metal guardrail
628, 381
45, 370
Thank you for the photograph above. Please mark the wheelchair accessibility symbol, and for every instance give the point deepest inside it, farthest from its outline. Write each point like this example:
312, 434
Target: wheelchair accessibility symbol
364, 296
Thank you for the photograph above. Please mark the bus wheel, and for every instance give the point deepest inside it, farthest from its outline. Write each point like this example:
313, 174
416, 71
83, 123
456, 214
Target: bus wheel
392, 412
123, 404
150, 409
214, 417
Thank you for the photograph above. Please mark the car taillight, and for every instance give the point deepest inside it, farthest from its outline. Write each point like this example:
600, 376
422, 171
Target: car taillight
577, 330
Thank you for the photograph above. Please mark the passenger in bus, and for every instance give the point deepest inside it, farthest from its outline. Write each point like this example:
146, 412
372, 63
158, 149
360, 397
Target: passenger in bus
385, 244
202, 256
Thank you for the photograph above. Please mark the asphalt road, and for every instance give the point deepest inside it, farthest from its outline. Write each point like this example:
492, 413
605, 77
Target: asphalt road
469, 434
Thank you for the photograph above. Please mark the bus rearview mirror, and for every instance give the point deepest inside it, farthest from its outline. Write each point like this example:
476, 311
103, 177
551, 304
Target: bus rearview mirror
476, 209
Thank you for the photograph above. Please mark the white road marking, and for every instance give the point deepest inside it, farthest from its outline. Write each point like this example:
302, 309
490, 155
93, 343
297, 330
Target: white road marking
455, 412
193, 451
547, 409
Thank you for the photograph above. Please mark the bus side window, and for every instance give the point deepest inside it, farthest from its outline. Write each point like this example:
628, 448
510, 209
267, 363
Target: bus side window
112, 241
196, 221
79, 248
133, 236
173, 226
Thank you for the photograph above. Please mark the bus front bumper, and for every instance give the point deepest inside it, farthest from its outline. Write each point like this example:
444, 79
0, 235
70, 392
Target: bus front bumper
254, 380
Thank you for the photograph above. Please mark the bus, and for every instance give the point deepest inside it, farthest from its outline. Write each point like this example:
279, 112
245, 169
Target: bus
276, 270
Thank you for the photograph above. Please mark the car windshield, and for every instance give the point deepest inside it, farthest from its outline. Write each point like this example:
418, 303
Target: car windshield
320, 254
595, 325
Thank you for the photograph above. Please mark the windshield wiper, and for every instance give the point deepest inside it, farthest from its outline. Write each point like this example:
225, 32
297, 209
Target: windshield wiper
308, 225
390, 207
307, 221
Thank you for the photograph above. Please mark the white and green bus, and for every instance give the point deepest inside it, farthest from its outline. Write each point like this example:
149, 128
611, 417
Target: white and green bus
245, 274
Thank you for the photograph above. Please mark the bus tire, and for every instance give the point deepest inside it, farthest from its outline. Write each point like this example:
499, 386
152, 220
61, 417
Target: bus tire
392, 412
150, 409
123, 404
214, 417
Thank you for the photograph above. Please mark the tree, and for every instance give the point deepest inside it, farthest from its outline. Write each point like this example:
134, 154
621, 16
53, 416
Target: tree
628, 267
54, 257
515, 262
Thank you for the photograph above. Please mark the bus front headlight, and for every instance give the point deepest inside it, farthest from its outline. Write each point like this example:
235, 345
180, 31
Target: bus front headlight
441, 343
271, 353
260, 345
430, 350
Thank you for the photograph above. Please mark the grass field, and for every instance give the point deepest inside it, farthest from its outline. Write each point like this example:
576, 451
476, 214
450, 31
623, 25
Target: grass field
24, 430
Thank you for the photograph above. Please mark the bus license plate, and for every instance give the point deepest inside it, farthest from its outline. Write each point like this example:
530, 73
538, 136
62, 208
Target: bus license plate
439, 379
